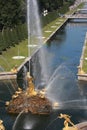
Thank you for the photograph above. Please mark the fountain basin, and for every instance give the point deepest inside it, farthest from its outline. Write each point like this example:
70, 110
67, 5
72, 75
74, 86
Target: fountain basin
82, 126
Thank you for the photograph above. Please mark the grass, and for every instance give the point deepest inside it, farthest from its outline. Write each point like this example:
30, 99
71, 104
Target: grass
49, 27
6, 61
84, 67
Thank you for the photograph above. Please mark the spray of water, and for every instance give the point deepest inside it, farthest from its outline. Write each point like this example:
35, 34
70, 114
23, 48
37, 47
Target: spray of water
16, 120
8, 65
9, 89
35, 36
62, 86
73, 104
51, 123
5, 60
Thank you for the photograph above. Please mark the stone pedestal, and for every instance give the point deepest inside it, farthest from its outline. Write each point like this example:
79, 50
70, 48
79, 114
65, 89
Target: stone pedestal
70, 128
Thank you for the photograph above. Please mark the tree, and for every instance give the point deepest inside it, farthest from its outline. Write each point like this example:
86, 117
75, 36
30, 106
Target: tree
50, 5
10, 13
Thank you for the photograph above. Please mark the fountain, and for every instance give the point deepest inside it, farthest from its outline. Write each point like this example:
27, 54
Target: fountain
31, 100
22, 99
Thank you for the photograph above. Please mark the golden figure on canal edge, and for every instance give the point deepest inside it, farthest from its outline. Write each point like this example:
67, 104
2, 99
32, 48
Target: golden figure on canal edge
67, 122
1, 125
80, 70
14, 69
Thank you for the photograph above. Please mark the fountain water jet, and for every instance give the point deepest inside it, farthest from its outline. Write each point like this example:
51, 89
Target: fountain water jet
34, 31
62, 86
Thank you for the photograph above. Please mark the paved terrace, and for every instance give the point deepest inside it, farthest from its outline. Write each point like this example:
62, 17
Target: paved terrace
77, 16
81, 10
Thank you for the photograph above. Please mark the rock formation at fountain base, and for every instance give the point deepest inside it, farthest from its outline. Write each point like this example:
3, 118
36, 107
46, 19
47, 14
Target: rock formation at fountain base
34, 104
29, 101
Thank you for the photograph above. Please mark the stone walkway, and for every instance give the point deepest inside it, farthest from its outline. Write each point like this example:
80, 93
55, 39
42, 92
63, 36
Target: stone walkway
79, 15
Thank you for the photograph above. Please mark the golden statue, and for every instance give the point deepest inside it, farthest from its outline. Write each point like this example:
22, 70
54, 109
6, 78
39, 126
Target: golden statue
80, 70
14, 69
1, 125
17, 93
30, 90
67, 122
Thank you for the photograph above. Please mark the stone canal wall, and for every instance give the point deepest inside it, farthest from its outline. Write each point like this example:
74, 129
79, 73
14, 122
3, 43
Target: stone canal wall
66, 19
7, 75
81, 74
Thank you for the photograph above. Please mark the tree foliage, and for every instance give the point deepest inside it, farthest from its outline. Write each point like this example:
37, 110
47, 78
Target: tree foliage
50, 5
11, 13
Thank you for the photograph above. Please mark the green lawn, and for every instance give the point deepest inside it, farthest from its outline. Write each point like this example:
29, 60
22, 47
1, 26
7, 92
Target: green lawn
84, 67
6, 61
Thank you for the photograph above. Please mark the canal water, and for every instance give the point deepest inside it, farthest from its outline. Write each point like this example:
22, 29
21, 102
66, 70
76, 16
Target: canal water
63, 53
